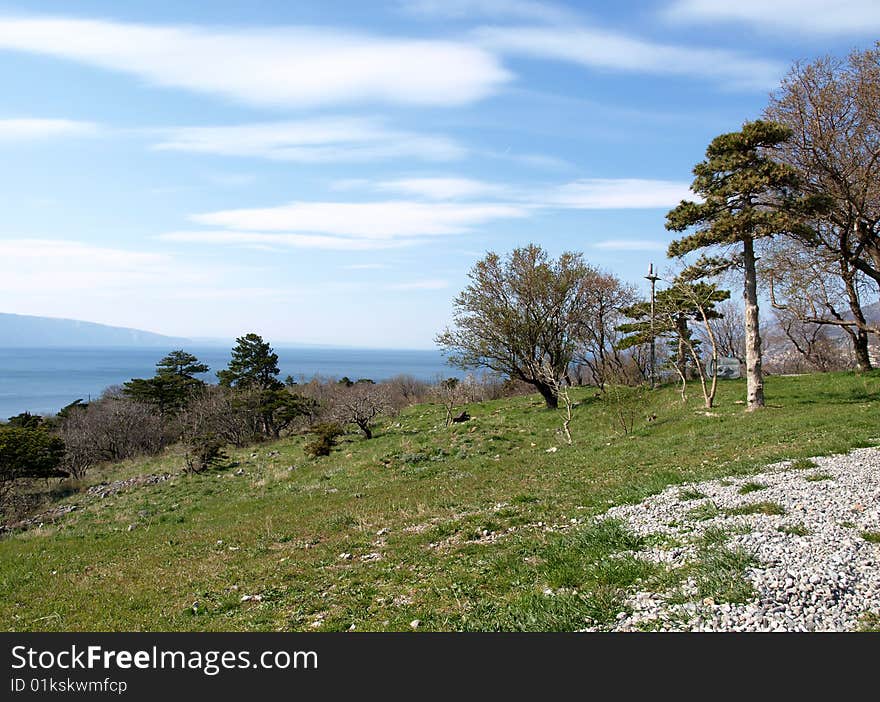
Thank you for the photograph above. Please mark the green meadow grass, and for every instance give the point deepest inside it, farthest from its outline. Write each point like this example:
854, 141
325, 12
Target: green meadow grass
460, 528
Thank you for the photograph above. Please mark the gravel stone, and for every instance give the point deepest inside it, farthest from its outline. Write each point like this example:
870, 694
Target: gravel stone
825, 580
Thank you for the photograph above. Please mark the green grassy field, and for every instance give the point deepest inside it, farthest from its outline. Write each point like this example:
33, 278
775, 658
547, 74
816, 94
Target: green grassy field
460, 528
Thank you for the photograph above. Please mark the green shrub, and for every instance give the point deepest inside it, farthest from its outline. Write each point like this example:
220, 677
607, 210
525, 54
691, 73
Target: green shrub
202, 452
326, 435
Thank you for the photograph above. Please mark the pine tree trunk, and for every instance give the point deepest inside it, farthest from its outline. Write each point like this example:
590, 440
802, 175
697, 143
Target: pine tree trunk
754, 376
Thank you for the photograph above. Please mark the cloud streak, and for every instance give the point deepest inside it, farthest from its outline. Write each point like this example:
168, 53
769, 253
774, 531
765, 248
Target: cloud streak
385, 220
602, 49
446, 209
819, 17
37, 129
618, 194
583, 194
325, 140
255, 239
296, 67
468, 9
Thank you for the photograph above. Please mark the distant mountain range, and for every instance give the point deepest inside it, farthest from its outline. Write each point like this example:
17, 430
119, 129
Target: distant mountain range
25, 331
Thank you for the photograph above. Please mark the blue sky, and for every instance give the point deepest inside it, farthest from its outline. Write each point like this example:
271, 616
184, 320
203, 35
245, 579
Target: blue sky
328, 172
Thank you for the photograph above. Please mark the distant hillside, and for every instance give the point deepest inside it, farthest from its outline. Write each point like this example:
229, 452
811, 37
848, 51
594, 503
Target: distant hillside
23, 331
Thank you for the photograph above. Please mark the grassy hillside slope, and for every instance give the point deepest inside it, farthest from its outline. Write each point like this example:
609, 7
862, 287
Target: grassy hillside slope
459, 528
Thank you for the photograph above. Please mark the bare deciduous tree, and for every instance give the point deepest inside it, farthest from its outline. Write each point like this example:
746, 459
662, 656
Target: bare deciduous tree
807, 291
606, 297
449, 392
113, 428
360, 405
832, 107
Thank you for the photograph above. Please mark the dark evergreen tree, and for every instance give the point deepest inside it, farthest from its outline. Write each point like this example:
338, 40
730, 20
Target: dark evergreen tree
254, 365
674, 309
26, 420
173, 385
746, 195
28, 453
253, 373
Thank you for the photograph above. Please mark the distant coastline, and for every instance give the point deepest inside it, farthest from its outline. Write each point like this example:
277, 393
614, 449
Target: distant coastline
28, 331
44, 379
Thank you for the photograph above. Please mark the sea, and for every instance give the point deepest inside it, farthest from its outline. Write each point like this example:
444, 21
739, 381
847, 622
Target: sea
43, 380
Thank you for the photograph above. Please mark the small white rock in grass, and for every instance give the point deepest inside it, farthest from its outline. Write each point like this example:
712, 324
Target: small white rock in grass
415, 623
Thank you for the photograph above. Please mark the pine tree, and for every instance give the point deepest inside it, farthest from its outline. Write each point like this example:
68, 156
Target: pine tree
173, 385
746, 195
254, 365
253, 372
674, 310
28, 453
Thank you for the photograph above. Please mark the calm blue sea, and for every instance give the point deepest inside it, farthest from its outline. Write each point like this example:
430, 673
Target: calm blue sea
44, 380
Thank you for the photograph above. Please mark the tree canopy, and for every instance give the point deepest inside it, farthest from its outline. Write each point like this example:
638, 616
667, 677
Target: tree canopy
28, 453
520, 315
172, 386
253, 365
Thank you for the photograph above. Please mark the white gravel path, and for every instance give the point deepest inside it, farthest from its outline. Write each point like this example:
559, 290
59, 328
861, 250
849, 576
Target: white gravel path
825, 580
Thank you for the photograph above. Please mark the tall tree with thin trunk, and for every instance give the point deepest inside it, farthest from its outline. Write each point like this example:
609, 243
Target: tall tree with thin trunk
746, 196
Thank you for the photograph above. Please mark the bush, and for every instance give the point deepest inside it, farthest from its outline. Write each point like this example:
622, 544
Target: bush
228, 415
202, 452
325, 435
28, 453
113, 428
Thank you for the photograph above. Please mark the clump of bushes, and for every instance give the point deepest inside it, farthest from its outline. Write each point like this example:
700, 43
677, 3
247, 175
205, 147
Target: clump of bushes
326, 435
27, 454
203, 451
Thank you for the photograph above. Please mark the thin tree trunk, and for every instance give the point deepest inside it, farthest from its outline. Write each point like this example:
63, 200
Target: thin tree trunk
754, 376
860, 338
682, 331
710, 397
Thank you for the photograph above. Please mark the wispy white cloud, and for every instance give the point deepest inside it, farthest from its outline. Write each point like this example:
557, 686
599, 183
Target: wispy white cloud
280, 66
630, 245
821, 17
586, 194
443, 188
62, 265
35, 129
389, 219
280, 240
611, 51
322, 140
618, 193
495, 9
